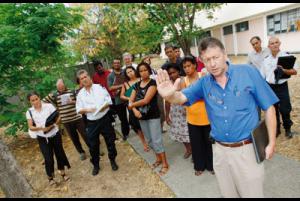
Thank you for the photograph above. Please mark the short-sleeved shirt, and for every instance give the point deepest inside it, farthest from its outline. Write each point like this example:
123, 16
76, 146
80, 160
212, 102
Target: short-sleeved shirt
102, 80
116, 79
66, 110
97, 97
151, 109
256, 59
178, 62
270, 64
232, 111
40, 117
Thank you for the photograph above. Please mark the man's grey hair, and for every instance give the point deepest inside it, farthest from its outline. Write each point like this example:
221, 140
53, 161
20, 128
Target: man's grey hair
60, 80
80, 72
127, 54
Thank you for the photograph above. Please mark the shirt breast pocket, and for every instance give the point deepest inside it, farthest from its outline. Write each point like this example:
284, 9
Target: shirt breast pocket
242, 100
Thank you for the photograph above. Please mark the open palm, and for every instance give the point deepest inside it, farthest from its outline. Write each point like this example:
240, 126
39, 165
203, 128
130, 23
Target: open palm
165, 86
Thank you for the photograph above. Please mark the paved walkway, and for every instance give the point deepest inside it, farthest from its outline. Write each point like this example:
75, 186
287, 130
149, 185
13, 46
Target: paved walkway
282, 175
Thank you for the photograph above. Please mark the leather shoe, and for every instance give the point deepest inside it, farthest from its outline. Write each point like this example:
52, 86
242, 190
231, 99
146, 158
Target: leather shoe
114, 165
288, 133
278, 132
95, 171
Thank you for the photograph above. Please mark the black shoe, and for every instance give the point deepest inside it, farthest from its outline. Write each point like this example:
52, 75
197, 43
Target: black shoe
114, 165
278, 132
125, 138
288, 133
95, 171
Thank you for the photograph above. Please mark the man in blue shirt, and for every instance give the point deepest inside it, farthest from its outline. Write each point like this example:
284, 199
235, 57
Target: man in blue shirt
231, 94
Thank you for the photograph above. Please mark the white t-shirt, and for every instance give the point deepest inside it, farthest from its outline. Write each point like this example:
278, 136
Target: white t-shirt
41, 117
270, 64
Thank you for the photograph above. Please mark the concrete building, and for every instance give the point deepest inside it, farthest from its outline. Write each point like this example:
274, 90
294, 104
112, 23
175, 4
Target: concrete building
235, 23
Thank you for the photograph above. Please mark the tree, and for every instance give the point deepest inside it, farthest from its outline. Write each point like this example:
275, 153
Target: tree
32, 54
12, 181
178, 19
111, 29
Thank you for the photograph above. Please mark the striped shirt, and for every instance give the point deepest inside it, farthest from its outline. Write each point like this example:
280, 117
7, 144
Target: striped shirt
66, 109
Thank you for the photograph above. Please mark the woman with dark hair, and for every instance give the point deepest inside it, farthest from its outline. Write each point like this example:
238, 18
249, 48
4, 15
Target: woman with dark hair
49, 138
160, 100
144, 98
198, 123
176, 115
132, 78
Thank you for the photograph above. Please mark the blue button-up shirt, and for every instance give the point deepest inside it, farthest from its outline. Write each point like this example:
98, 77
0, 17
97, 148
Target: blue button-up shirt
232, 111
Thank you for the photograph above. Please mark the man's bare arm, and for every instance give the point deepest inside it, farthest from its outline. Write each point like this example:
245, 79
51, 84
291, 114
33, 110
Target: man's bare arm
270, 117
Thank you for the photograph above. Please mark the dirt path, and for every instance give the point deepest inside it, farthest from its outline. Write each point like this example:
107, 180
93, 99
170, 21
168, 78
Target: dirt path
133, 179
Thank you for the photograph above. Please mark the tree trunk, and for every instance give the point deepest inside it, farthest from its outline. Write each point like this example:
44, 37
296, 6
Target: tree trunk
186, 47
12, 181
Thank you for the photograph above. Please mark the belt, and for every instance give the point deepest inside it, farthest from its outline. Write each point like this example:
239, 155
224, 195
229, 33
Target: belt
92, 121
237, 144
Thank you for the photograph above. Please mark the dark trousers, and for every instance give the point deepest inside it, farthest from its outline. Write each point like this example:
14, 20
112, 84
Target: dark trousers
54, 145
201, 147
72, 128
284, 106
93, 130
122, 114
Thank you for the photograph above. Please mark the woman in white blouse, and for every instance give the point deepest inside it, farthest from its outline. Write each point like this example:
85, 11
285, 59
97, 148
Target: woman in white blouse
49, 138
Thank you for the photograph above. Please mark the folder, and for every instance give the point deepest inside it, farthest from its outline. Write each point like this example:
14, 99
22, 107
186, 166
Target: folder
260, 140
287, 62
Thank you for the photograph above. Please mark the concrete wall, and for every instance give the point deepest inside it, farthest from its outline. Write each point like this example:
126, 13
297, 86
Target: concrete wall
228, 43
255, 29
289, 41
216, 32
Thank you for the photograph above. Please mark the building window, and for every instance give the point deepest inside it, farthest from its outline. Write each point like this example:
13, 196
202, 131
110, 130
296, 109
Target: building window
242, 26
288, 21
227, 30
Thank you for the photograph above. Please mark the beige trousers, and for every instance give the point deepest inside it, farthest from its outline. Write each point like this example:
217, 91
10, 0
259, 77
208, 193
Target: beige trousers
238, 174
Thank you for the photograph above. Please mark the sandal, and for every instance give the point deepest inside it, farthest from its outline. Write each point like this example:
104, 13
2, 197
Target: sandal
187, 155
156, 164
65, 177
198, 173
163, 171
52, 182
146, 149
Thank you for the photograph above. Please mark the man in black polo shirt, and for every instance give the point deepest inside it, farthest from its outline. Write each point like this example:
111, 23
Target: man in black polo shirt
172, 58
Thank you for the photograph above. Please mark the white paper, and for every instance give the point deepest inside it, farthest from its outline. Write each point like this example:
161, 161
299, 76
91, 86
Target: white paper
65, 99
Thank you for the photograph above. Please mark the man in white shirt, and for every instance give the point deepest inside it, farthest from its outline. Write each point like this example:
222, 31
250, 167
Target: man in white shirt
280, 87
257, 56
127, 59
94, 100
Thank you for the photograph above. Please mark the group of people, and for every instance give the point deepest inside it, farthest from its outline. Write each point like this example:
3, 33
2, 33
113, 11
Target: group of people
205, 100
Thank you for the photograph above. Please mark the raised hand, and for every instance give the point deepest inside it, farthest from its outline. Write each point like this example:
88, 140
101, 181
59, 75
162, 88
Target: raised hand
165, 86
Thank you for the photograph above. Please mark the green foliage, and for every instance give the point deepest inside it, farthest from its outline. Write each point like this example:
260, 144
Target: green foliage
178, 20
32, 54
111, 29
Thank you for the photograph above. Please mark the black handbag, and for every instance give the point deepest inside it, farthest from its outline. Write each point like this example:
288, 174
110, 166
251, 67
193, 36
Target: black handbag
51, 119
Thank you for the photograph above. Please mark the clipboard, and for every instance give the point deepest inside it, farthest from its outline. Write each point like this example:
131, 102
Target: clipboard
260, 140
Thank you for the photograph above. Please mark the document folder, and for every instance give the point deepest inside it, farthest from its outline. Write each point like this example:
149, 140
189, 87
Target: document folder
260, 140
